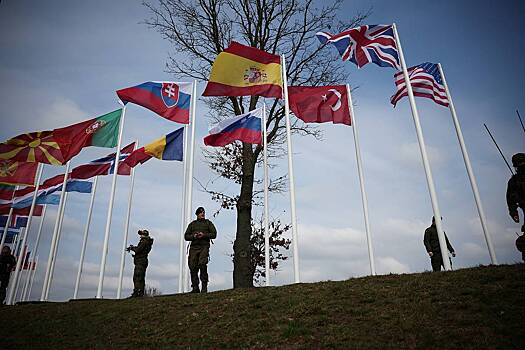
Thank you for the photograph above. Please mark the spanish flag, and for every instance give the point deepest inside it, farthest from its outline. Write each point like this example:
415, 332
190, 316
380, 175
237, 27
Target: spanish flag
245, 71
168, 147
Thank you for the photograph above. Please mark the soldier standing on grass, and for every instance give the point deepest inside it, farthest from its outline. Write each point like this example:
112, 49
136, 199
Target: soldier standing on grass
7, 264
431, 242
140, 259
199, 233
516, 197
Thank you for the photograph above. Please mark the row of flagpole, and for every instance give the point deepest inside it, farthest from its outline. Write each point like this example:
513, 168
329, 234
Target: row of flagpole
186, 207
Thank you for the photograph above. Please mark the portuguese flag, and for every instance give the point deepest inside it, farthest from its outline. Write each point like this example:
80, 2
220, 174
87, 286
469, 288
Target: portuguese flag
58, 146
245, 71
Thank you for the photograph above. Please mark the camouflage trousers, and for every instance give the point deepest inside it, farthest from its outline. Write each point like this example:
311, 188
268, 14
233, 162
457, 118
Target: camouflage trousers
139, 277
4, 281
198, 262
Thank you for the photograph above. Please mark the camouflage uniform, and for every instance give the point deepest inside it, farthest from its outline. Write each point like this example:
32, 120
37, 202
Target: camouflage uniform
140, 259
7, 263
431, 242
199, 251
516, 195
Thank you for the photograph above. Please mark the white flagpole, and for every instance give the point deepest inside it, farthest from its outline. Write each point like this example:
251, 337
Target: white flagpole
126, 230
16, 241
266, 229
37, 242
26, 284
189, 199
55, 253
16, 277
364, 197
424, 156
6, 227
290, 174
54, 239
182, 261
21, 276
470, 172
84, 240
33, 273
110, 209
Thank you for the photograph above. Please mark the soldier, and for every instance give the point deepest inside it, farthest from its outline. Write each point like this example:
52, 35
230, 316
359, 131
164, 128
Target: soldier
516, 197
431, 242
7, 264
140, 259
199, 232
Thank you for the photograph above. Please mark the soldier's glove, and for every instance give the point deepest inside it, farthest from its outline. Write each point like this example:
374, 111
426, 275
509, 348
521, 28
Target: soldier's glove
515, 216
128, 249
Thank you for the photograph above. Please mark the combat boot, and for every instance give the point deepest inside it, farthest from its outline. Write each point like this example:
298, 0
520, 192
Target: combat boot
204, 288
195, 290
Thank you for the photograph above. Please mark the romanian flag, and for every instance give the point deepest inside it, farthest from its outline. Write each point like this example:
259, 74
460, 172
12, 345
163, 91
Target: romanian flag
58, 146
168, 147
245, 71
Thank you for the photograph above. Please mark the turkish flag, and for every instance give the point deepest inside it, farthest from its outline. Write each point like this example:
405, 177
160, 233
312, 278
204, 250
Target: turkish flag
320, 104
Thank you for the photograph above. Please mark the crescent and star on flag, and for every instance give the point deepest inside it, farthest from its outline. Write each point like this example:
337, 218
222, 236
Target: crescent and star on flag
336, 105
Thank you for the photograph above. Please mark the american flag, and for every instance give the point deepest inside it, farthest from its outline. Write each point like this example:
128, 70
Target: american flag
426, 82
361, 45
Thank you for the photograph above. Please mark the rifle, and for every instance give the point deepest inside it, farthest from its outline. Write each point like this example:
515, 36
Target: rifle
499, 149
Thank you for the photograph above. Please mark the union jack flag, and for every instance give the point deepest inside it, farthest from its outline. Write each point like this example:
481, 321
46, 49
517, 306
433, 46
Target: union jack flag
361, 45
426, 82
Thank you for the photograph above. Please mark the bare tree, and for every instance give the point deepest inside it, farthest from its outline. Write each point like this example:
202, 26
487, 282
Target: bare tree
199, 30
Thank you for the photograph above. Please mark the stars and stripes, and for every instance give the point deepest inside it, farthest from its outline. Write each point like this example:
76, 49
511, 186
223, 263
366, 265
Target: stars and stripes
426, 82
365, 44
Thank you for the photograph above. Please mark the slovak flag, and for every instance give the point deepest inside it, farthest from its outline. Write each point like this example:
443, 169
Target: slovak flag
170, 100
244, 127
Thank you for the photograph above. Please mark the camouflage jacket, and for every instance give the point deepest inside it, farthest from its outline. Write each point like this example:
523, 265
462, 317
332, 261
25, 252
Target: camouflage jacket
206, 227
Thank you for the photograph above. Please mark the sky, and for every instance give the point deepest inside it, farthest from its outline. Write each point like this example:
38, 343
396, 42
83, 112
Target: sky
62, 61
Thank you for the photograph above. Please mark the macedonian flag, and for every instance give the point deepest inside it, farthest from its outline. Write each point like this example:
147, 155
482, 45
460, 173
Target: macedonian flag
58, 146
245, 71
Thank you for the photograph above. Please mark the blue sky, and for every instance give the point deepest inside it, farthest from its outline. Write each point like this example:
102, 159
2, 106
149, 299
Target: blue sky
62, 61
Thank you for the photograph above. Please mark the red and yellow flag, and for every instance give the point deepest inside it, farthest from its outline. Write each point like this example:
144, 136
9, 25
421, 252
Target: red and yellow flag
245, 71
13, 172
38, 146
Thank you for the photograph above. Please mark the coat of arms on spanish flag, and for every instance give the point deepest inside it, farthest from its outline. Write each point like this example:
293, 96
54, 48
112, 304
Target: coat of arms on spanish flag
245, 71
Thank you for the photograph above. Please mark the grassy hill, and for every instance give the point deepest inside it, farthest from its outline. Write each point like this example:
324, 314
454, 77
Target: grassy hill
477, 308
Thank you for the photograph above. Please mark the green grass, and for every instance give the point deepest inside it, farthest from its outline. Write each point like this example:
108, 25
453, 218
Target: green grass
478, 308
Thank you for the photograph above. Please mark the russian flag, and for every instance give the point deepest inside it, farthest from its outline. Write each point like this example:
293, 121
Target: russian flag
244, 127
170, 100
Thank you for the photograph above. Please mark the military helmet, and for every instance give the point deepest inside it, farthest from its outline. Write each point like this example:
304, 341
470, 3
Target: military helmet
144, 232
518, 159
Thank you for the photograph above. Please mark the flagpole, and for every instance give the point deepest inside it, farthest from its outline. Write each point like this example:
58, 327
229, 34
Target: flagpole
110, 208
55, 253
43, 296
266, 229
183, 212
290, 173
33, 273
189, 198
37, 242
126, 230
85, 238
6, 227
24, 237
20, 277
364, 197
470, 172
424, 156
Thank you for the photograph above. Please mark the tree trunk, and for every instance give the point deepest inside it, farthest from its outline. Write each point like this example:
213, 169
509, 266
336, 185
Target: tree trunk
242, 269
